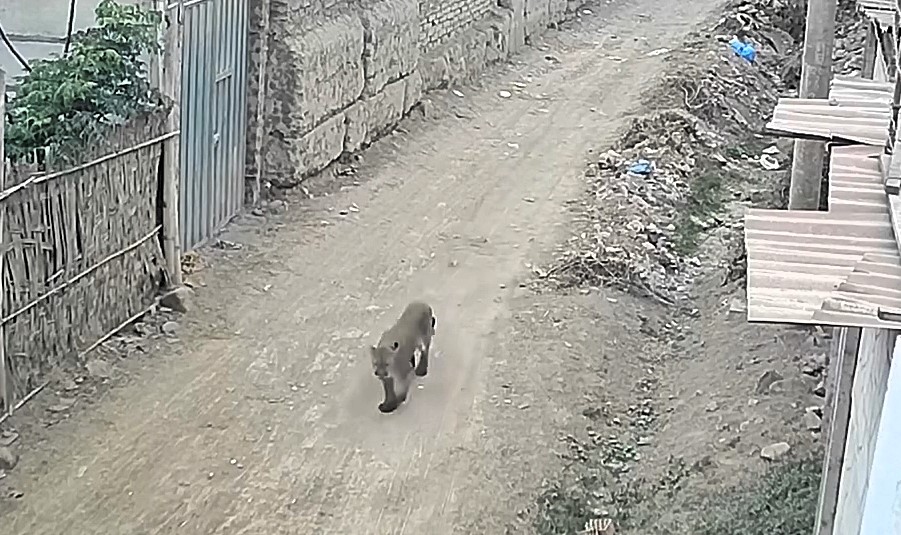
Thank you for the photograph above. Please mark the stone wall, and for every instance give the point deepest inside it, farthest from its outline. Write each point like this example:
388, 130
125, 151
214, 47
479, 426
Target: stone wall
337, 74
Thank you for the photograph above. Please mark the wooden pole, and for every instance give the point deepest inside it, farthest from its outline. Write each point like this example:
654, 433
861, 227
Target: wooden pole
5, 384
260, 130
816, 74
171, 88
869, 52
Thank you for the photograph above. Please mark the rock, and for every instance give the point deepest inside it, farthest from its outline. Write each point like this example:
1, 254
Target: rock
7, 438
8, 459
170, 328
818, 361
767, 380
738, 306
178, 299
775, 451
99, 368
820, 389
63, 405
812, 422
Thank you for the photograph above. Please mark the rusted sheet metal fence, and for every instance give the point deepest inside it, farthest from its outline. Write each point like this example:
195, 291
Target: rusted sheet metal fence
80, 254
213, 116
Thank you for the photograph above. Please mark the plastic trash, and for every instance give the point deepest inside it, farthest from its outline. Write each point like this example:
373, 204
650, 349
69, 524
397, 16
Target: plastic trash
744, 50
641, 168
768, 162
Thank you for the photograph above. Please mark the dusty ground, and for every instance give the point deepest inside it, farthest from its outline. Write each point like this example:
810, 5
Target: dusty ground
260, 416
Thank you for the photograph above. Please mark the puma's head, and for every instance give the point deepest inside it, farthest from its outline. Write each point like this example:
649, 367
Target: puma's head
382, 357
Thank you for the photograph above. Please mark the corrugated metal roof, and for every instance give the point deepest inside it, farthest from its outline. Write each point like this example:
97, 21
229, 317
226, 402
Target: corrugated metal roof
873, 284
882, 11
857, 111
855, 184
827, 268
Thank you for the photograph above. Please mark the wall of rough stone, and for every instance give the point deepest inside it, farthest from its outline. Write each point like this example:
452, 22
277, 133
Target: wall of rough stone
337, 74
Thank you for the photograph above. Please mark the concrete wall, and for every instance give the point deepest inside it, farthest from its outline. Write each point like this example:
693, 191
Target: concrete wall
340, 73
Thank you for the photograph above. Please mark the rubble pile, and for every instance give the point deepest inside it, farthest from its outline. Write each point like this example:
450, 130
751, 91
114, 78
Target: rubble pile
709, 118
631, 216
850, 38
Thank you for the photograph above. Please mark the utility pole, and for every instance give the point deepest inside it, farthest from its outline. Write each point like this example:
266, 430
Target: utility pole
816, 74
170, 86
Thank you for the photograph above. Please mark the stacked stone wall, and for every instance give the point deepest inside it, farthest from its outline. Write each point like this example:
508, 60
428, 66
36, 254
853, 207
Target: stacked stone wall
338, 74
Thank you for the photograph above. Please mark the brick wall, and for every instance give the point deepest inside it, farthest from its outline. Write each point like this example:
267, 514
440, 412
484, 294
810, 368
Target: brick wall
338, 74
443, 19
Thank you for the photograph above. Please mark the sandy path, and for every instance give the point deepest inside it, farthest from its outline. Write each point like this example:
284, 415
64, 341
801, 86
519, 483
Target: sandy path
450, 212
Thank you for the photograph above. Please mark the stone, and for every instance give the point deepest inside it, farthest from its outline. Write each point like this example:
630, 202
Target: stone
818, 362
371, 117
8, 458
63, 405
412, 91
325, 73
767, 380
99, 368
390, 42
812, 422
294, 158
514, 25
557, 11
775, 451
7, 438
535, 16
178, 299
820, 389
170, 328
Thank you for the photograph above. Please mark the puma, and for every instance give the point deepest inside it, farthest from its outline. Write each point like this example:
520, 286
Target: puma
393, 358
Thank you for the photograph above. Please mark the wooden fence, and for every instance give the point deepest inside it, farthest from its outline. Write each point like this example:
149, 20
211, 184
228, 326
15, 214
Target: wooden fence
80, 253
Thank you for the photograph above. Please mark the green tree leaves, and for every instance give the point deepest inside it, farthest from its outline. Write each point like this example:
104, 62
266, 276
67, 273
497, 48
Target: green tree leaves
67, 101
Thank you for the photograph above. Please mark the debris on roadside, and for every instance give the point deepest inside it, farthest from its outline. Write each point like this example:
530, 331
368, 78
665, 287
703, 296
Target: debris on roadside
641, 168
745, 51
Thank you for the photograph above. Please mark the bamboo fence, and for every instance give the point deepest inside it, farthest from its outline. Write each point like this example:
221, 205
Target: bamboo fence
81, 253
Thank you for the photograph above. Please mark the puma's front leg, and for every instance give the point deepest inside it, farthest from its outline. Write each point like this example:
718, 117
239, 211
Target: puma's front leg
391, 402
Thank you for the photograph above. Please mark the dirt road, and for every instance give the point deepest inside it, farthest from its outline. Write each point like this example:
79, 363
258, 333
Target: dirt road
266, 422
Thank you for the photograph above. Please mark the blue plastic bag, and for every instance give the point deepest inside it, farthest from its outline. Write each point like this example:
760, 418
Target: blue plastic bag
744, 50
641, 168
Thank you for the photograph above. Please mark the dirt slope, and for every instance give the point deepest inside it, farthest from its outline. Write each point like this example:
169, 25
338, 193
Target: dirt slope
264, 419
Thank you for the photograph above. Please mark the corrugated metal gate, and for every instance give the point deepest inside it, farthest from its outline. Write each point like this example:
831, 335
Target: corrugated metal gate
213, 116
